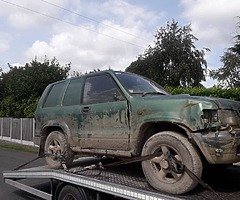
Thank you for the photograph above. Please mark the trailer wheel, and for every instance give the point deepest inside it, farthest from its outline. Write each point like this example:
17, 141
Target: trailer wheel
158, 171
70, 192
56, 145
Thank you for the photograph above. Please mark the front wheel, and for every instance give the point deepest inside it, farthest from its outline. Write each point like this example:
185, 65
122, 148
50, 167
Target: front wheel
159, 170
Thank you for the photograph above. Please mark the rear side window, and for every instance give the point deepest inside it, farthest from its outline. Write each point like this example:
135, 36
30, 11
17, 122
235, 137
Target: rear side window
73, 92
53, 95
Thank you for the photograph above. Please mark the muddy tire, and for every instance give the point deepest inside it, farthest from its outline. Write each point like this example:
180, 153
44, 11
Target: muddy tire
56, 144
157, 170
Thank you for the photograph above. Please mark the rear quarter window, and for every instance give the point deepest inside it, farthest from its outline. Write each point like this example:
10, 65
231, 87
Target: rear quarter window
54, 95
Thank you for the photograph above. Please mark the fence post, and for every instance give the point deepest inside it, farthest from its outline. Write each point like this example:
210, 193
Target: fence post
21, 129
1, 127
33, 130
11, 128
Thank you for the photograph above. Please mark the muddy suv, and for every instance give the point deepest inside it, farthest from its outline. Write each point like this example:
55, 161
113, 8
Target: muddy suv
125, 115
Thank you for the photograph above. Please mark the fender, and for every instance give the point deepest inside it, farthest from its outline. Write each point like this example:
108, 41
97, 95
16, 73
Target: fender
57, 124
53, 124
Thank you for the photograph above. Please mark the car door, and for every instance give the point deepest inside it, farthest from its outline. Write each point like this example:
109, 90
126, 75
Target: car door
104, 123
70, 110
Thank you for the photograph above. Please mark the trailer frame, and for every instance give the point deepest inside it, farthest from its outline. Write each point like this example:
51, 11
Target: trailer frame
100, 186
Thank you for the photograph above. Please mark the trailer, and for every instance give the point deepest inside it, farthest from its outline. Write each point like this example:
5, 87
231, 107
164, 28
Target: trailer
78, 183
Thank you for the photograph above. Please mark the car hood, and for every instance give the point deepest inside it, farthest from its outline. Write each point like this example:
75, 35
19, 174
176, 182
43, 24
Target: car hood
227, 104
220, 102
181, 109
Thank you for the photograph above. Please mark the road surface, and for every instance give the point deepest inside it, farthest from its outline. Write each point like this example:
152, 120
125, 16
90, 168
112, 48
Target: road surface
9, 159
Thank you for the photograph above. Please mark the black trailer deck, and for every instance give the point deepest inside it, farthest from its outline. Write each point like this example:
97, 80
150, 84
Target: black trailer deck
125, 181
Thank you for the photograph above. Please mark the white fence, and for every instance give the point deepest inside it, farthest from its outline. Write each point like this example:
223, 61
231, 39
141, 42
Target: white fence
17, 130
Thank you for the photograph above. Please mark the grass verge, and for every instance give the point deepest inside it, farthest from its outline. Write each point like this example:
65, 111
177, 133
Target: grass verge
18, 147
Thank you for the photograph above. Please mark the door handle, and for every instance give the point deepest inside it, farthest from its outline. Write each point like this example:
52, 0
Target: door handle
86, 109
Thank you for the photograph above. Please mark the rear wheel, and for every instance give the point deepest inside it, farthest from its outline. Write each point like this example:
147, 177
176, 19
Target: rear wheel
57, 150
164, 173
70, 192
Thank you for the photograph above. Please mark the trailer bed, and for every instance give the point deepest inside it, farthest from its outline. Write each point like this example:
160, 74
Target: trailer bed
122, 181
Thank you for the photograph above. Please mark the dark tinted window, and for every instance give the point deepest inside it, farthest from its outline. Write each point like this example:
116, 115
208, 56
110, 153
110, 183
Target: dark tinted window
73, 92
99, 89
53, 95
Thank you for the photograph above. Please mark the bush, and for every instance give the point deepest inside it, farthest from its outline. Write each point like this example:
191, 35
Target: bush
22, 108
208, 92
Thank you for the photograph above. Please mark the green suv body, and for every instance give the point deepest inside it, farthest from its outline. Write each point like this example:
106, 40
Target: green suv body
125, 115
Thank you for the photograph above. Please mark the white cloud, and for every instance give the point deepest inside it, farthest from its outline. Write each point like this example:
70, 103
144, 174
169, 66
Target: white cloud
213, 21
19, 17
131, 15
4, 42
86, 50
4, 46
89, 50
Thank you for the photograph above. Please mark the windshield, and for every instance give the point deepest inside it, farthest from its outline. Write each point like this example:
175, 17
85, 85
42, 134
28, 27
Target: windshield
139, 85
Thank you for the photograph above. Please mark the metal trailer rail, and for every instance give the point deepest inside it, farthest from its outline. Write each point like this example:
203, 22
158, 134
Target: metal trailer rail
114, 182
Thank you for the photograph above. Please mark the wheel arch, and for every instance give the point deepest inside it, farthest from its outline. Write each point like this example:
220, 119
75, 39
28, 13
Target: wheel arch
150, 128
51, 126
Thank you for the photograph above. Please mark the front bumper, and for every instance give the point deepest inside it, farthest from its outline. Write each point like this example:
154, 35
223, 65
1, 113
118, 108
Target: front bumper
220, 147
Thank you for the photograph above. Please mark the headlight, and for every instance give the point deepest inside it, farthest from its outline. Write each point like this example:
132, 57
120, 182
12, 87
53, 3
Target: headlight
210, 116
228, 117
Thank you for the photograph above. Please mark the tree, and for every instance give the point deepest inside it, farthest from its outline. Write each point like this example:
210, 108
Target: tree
229, 74
173, 60
236, 47
22, 86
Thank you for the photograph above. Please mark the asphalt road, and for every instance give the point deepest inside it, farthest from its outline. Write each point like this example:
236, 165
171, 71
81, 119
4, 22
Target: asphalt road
225, 182
9, 159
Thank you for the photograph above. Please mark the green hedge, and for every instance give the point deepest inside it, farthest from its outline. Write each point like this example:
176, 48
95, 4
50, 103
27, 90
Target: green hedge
213, 92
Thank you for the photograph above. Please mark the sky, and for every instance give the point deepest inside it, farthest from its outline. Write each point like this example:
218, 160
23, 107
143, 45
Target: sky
103, 34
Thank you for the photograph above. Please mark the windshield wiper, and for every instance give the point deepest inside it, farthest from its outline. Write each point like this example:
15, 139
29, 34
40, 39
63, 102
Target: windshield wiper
145, 93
